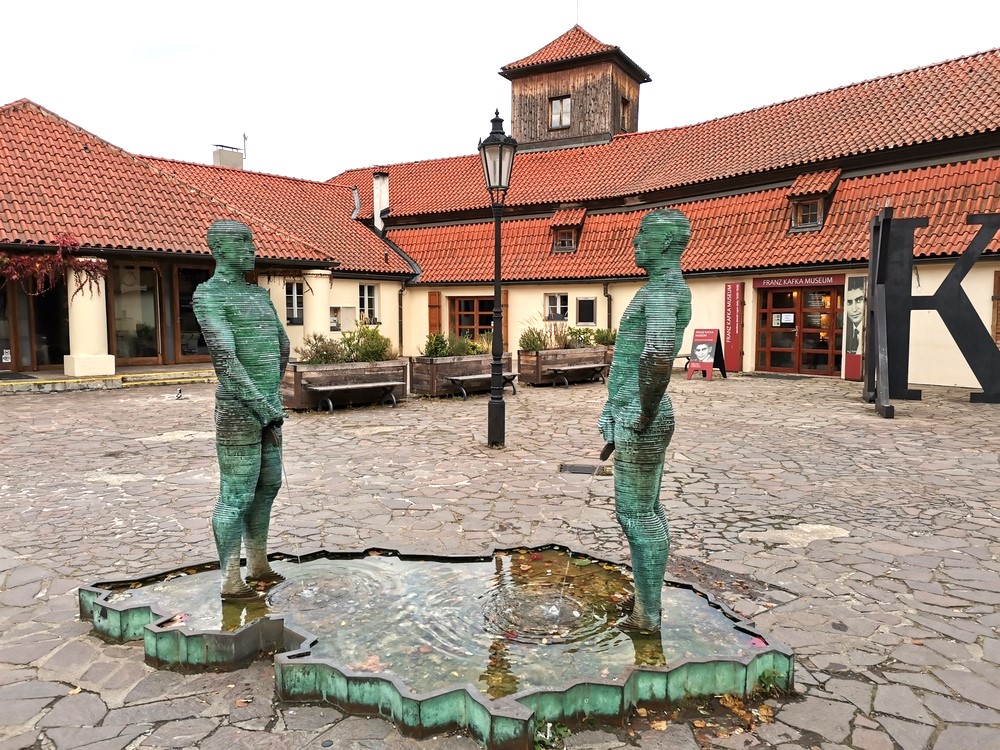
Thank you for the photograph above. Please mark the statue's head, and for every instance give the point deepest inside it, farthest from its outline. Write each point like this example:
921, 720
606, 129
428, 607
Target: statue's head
661, 239
231, 243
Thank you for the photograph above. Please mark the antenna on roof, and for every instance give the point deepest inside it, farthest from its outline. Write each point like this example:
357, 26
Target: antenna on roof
244, 145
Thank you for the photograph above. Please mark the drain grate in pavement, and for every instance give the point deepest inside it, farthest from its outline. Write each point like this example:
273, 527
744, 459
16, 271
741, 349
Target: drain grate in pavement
601, 470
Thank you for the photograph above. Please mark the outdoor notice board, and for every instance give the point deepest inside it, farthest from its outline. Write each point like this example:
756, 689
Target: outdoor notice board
706, 353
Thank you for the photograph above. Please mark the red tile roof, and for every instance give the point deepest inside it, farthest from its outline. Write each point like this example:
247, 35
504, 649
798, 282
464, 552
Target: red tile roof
318, 212
934, 103
738, 232
56, 177
814, 183
569, 217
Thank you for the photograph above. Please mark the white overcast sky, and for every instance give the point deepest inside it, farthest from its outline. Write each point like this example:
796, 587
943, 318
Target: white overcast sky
319, 87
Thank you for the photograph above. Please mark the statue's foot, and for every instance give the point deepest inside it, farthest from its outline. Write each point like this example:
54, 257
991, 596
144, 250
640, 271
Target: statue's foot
641, 624
241, 593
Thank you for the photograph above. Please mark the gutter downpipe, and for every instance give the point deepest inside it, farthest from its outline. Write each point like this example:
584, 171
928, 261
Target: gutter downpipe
607, 296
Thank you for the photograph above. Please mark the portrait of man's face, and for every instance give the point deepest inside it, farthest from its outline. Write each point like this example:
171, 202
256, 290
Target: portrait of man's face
702, 352
854, 305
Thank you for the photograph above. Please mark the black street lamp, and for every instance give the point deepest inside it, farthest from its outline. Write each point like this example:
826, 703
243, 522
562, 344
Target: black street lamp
497, 152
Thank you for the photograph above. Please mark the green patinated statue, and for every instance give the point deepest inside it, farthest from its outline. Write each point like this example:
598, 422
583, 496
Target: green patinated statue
638, 418
250, 352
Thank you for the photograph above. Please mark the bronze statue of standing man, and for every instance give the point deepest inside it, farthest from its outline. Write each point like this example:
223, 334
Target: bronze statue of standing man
250, 351
638, 418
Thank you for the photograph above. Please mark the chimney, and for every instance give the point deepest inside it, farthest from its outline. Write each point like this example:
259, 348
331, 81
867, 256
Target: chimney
227, 156
380, 198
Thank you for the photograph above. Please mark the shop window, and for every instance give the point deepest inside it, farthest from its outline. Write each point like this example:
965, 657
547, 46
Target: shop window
559, 113
586, 311
556, 306
294, 291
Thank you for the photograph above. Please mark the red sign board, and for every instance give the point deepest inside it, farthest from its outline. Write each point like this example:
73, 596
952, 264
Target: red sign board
732, 331
706, 353
783, 282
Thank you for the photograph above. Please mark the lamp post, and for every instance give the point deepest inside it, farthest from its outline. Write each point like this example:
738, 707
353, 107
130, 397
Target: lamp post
497, 153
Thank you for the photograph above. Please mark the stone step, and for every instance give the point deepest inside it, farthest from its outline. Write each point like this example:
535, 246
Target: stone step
167, 378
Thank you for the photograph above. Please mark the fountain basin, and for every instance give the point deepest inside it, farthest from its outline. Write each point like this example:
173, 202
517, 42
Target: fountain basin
489, 645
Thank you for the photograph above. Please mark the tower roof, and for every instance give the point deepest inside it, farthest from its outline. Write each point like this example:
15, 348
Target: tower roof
570, 49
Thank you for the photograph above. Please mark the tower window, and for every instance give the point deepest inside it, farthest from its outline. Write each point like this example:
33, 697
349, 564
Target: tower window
559, 113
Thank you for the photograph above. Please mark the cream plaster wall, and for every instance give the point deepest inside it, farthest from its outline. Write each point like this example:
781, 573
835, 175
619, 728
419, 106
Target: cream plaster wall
525, 307
319, 296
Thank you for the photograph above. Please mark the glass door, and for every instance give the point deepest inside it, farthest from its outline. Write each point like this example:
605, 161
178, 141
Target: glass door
189, 343
799, 330
7, 338
135, 295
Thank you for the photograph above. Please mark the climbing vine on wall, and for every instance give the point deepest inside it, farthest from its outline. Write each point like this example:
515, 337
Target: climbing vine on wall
39, 272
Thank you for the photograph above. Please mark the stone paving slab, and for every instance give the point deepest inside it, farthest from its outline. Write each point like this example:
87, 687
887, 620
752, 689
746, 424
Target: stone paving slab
872, 546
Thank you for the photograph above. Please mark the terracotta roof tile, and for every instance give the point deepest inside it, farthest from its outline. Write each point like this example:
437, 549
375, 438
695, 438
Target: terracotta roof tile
575, 43
318, 212
57, 177
739, 232
814, 183
568, 217
934, 103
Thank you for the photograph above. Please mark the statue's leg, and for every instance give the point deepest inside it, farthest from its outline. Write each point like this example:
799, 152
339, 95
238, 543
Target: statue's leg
258, 519
638, 476
239, 466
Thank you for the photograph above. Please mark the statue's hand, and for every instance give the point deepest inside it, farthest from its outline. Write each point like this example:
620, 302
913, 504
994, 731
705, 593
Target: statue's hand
606, 424
635, 419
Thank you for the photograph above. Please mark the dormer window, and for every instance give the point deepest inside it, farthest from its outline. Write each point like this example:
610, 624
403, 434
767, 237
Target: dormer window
810, 196
807, 214
559, 113
566, 226
565, 241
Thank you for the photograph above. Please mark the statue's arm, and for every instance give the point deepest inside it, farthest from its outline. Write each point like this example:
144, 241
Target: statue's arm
221, 341
659, 349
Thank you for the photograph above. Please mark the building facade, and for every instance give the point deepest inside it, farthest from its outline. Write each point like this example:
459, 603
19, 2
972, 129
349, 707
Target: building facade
780, 199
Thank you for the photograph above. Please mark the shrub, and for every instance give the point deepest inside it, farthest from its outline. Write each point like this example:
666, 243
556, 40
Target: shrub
363, 344
605, 336
533, 340
366, 344
459, 346
580, 338
436, 346
318, 349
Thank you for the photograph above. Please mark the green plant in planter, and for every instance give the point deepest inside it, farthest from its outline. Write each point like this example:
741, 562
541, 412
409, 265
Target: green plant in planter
366, 344
436, 346
318, 349
580, 338
533, 340
363, 344
605, 336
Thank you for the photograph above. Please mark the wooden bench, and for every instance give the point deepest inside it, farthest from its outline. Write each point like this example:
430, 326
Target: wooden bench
464, 383
384, 389
586, 372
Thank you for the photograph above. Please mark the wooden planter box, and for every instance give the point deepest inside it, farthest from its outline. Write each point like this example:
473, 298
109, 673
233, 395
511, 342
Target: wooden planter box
426, 373
295, 393
533, 365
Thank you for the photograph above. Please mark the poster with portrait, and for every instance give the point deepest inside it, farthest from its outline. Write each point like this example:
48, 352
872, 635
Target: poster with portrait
854, 325
706, 353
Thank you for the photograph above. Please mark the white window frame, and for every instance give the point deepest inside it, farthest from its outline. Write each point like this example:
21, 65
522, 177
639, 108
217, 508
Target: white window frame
557, 306
565, 241
560, 109
581, 322
294, 294
368, 302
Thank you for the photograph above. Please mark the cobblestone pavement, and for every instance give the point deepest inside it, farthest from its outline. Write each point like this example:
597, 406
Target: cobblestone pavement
870, 546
